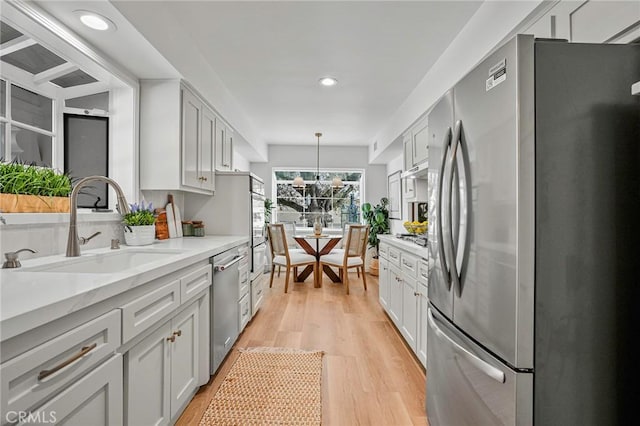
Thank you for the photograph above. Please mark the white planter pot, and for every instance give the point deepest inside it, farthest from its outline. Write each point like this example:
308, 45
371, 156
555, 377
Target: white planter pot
139, 235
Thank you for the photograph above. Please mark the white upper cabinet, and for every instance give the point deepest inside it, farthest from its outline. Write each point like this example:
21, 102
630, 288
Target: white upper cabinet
224, 147
590, 22
415, 144
177, 138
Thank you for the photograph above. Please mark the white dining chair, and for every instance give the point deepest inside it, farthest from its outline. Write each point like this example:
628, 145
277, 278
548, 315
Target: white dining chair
351, 256
282, 256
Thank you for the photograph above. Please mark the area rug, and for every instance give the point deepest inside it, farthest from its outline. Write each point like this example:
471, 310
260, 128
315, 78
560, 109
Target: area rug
269, 386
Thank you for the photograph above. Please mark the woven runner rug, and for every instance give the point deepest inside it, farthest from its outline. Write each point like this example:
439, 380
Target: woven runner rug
269, 386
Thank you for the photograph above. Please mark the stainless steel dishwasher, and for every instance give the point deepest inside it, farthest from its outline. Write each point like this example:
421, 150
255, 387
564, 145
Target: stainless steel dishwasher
224, 303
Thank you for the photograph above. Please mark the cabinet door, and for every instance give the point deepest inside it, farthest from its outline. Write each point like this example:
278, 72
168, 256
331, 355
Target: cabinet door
408, 189
96, 399
420, 143
383, 283
421, 344
227, 151
407, 147
222, 155
394, 195
191, 126
395, 295
148, 380
207, 150
184, 358
409, 311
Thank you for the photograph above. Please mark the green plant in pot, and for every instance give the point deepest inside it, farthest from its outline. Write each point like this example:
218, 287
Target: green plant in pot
377, 217
139, 225
26, 188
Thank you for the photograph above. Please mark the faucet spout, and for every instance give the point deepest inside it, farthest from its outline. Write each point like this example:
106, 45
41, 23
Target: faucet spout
73, 242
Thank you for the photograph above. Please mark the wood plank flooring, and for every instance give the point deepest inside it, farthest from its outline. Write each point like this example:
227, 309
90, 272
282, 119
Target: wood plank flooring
369, 375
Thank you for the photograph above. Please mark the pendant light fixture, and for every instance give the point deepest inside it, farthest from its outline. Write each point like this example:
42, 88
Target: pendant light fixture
336, 182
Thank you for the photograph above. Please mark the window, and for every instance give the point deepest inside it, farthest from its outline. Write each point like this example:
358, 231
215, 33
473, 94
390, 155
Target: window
26, 121
335, 206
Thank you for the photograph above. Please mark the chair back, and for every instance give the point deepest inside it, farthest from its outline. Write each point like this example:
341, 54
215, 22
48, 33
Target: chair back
277, 239
290, 231
356, 243
345, 233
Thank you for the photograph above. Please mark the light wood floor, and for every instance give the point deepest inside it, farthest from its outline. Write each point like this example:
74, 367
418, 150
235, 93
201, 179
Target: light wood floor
369, 376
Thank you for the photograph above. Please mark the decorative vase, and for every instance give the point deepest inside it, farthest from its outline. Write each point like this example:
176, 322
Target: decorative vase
317, 226
139, 235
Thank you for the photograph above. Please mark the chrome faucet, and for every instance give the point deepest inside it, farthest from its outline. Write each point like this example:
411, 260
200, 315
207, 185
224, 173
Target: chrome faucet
73, 242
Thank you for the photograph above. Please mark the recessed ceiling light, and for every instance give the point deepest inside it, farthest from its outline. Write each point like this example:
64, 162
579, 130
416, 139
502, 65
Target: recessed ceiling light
328, 81
95, 21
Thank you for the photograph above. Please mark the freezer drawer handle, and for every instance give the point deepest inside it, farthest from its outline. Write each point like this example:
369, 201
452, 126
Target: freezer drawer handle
486, 368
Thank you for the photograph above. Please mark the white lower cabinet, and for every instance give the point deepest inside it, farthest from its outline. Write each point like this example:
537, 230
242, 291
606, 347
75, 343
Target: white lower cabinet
257, 293
421, 344
95, 400
383, 282
403, 284
395, 295
409, 326
162, 370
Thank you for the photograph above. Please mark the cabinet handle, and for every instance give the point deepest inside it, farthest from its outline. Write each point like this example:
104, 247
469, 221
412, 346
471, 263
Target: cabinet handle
246, 311
415, 293
177, 333
259, 292
204, 178
171, 339
85, 350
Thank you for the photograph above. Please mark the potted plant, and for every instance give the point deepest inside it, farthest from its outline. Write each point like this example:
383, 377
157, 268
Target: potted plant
377, 217
139, 225
31, 189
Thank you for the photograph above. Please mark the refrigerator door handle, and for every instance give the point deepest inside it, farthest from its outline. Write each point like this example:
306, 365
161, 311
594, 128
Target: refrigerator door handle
458, 250
441, 248
481, 365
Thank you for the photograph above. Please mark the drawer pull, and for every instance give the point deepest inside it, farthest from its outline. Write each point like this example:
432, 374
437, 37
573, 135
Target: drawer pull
177, 333
85, 350
171, 338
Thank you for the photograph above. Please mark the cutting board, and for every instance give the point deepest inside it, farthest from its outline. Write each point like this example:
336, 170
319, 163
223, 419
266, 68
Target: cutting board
174, 219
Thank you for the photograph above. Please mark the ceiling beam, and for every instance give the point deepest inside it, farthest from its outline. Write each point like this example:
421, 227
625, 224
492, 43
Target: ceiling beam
53, 73
16, 44
83, 90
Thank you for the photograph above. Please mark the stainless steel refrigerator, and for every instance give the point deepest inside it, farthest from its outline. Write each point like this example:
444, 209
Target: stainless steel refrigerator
535, 240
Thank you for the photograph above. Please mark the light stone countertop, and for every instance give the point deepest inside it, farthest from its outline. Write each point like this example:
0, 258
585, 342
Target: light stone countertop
29, 299
409, 246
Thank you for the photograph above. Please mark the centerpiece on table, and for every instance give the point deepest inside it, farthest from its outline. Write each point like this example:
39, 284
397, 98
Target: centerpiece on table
139, 225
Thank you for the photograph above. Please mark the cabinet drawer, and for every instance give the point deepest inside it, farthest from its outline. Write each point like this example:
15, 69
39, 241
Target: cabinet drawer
94, 400
409, 265
245, 311
41, 372
193, 283
257, 293
383, 251
146, 311
394, 256
244, 284
423, 272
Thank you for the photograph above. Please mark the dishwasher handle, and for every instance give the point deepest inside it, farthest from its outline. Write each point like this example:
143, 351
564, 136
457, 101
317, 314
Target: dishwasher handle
220, 268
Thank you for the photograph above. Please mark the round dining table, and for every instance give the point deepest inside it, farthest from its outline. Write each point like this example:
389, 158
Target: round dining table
303, 242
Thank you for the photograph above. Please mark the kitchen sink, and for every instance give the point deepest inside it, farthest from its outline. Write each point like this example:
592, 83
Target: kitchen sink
104, 263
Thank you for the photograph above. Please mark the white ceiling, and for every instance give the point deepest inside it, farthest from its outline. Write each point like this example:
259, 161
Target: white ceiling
270, 55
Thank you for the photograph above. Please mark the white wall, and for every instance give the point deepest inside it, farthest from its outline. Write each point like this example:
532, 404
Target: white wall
339, 157
240, 162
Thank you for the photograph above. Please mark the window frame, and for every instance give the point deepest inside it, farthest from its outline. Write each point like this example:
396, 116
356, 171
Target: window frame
329, 170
